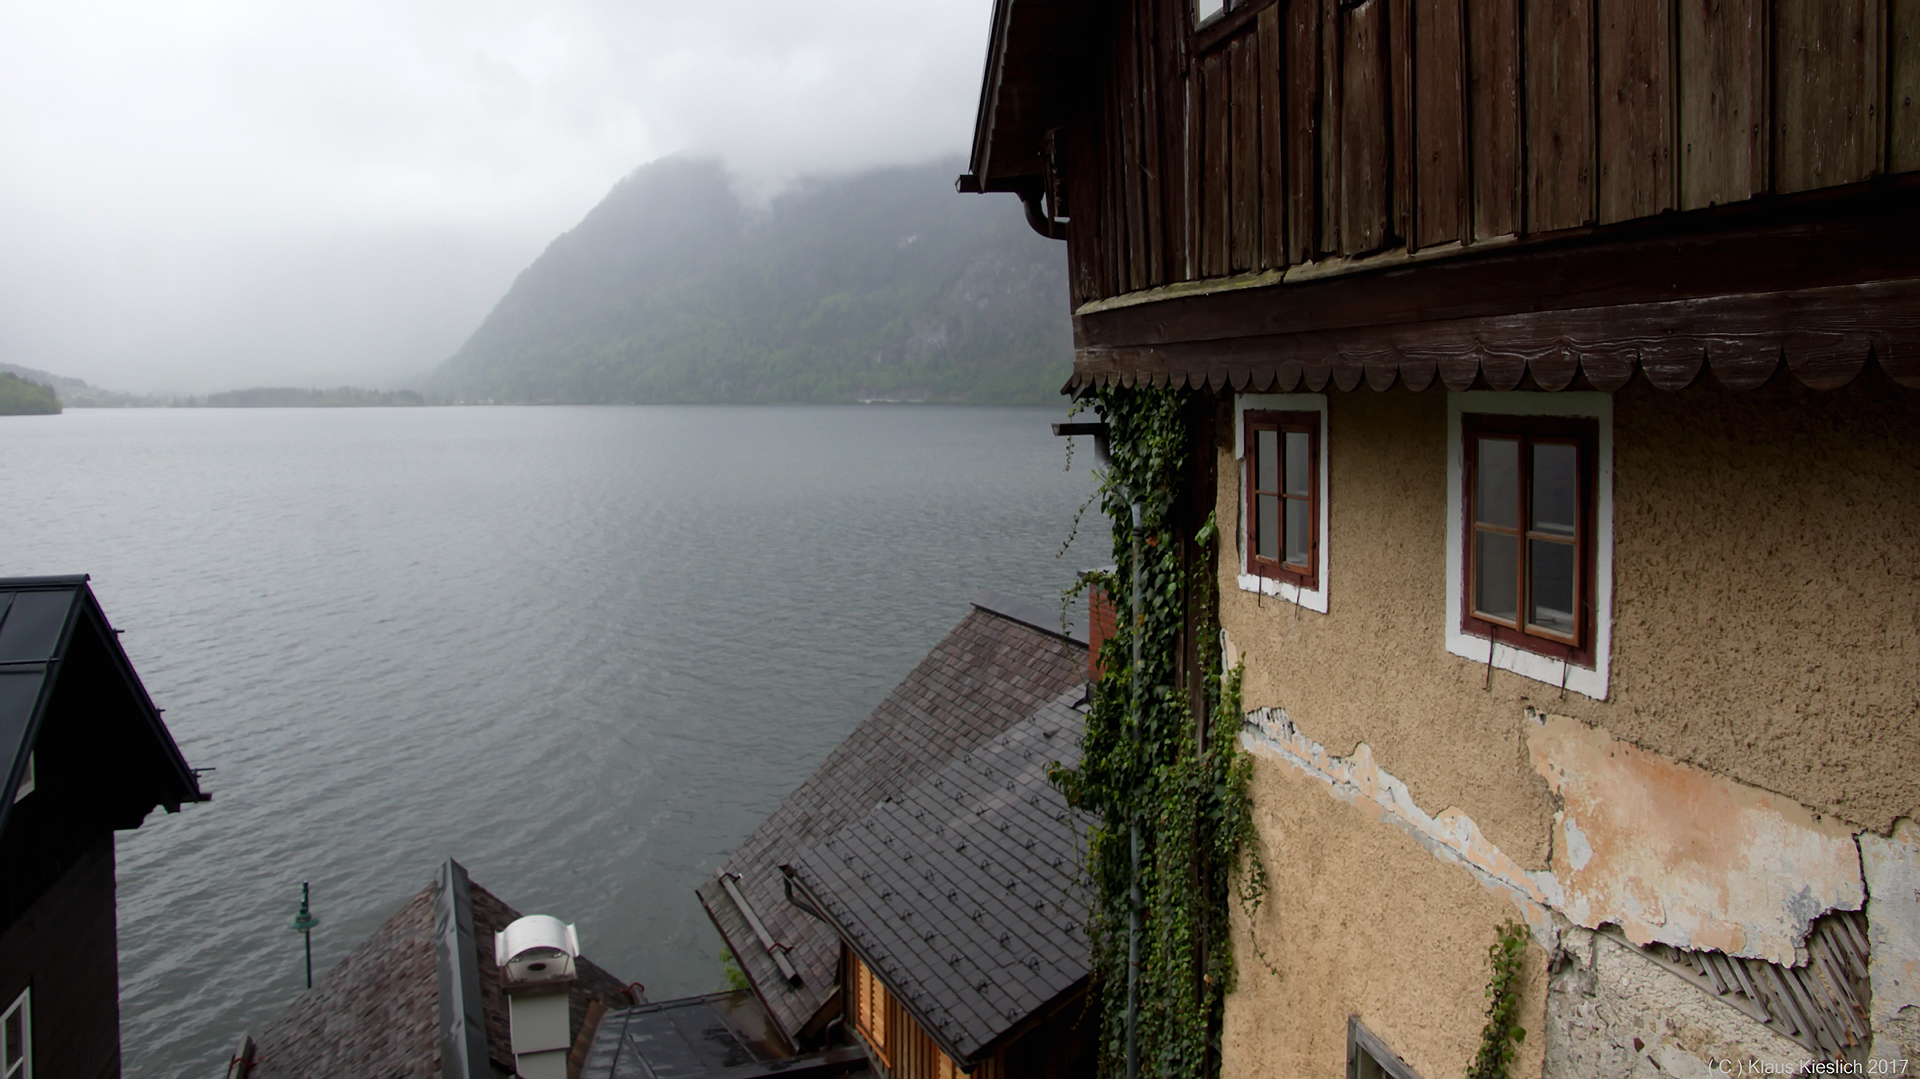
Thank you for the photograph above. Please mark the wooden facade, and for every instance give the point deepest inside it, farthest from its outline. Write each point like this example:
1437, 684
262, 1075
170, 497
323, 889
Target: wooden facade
83, 753
1420, 189
892, 1037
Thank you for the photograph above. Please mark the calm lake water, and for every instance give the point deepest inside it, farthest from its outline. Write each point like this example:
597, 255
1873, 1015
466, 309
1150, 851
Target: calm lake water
583, 650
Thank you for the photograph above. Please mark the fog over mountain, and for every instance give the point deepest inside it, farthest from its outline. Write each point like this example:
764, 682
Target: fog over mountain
883, 285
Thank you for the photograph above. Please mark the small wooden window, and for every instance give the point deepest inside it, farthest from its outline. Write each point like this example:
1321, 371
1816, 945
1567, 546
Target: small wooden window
16, 1038
1529, 523
1283, 496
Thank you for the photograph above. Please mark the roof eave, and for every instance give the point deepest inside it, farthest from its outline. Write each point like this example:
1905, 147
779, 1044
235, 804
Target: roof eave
978, 176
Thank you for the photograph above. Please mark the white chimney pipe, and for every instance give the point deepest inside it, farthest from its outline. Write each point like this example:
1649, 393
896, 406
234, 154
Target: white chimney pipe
536, 958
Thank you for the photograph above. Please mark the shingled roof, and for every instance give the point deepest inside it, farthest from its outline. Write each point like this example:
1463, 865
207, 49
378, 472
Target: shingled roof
1004, 661
404, 1004
964, 894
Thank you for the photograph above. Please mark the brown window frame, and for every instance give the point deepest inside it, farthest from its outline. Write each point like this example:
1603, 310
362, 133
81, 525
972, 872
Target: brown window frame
1584, 434
1306, 577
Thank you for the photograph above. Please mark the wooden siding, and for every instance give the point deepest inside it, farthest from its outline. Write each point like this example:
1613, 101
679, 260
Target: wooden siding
903, 1049
63, 945
1292, 131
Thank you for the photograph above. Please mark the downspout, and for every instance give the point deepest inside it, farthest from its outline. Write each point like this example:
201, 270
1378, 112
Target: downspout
1133, 892
1042, 221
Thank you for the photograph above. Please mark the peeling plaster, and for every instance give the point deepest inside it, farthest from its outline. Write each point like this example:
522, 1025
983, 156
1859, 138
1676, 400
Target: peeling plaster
1613, 1012
1675, 854
1892, 868
1668, 852
1451, 837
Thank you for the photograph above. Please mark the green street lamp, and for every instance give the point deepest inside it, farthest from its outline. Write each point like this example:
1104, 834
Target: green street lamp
303, 924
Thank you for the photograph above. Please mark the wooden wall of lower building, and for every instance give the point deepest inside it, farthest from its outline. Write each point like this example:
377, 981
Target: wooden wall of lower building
63, 947
1062, 1045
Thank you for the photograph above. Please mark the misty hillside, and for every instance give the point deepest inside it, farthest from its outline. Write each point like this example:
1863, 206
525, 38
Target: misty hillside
883, 285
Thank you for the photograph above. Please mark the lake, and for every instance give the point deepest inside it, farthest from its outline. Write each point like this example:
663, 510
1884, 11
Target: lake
583, 650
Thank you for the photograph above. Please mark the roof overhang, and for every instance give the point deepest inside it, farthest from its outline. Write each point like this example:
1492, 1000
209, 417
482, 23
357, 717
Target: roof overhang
1036, 64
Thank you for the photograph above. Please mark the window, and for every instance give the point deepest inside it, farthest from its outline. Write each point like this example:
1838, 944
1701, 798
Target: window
1369, 1058
1283, 496
1530, 535
1207, 9
25, 788
1283, 465
16, 1038
1529, 490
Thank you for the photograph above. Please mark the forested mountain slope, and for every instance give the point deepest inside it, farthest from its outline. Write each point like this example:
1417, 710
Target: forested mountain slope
883, 285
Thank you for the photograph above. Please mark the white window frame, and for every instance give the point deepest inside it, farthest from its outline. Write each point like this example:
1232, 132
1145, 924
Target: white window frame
1315, 598
22, 1068
1586, 681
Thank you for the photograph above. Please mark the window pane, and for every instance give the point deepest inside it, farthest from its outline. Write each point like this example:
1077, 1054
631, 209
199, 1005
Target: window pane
1556, 491
1297, 463
1266, 460
1297, 530
15, 1039
1495, 575
1550, 590
1496, 495
1206, 9
1267, 541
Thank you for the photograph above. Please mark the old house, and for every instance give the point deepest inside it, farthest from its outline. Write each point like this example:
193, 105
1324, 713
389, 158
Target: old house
959, 904
1002, 663
1550, 375
83, 754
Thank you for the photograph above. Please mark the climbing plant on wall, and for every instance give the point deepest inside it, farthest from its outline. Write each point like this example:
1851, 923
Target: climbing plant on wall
1143, 770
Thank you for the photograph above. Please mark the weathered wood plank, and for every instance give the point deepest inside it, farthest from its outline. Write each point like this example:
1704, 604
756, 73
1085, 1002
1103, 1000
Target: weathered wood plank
1559, 114
1635, 151
1303, 83
1399, 48
1083, 200
1493, 116
1330, 121
1127, 83
1366, 117
1243, 239
1175, 83
1215, 127
1723, 101
1270, 72
1440, 121
1152, 144
1827, 87
1903, 106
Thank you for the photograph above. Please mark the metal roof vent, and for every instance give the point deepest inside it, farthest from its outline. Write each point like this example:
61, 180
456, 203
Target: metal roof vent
536, 958
536, 949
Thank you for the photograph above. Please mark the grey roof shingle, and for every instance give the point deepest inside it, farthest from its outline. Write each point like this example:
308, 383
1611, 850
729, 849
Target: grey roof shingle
997, 667
964, 894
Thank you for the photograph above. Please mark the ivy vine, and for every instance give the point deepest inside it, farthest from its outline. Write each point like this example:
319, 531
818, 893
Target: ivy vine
1142, 765
1501, 1039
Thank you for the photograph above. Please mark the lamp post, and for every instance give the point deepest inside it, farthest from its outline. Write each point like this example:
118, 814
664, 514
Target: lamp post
303, 924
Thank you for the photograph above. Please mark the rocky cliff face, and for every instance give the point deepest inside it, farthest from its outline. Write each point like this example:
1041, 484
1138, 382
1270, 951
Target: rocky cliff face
881, 286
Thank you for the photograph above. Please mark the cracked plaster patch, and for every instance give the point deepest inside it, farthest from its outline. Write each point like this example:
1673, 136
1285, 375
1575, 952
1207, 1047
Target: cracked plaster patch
1670, 853
1893, 928
1675, 854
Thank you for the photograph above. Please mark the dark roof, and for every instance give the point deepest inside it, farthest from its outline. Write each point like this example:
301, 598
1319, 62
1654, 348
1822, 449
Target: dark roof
716, 1036
965, 894
999, 665
60, 657
401, 1002
1037, 57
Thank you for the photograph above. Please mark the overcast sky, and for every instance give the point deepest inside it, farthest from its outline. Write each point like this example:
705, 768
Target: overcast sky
205, 194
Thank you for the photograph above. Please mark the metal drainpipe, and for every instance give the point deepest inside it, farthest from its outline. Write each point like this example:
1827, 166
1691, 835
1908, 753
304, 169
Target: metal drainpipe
1133, 892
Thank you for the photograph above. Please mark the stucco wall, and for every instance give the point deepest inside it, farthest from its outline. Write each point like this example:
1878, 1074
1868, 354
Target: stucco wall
1360, 919
1766, 598
1767, 628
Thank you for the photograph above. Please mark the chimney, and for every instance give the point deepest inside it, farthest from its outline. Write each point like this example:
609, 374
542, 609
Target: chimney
1101, 625
536, 958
